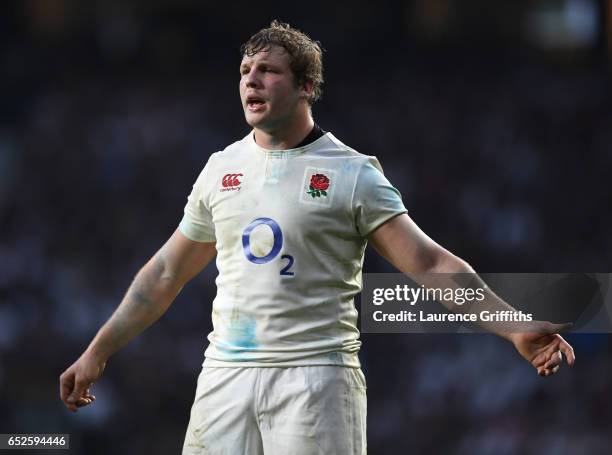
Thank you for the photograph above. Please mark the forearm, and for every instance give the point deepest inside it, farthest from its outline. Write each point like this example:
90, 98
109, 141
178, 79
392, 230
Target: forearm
146, 300
409, 249
450, 271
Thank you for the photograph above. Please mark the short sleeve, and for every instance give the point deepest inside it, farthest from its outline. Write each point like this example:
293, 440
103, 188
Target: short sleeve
375, 200
197, 224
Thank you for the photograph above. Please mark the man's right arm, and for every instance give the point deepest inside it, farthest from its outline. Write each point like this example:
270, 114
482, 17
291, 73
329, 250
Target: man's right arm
149, 296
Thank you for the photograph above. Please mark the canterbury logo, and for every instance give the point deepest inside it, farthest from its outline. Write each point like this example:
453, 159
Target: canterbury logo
231, 182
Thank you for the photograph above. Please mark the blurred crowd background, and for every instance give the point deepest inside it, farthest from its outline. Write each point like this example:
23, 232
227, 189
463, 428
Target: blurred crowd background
494, 119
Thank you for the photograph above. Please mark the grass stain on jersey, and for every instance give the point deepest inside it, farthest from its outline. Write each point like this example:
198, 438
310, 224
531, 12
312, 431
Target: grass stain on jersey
262, 241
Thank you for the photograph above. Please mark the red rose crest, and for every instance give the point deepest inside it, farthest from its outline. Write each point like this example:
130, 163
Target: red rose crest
319, 183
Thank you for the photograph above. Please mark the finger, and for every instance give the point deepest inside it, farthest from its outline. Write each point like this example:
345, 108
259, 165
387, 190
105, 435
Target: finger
540, 360
71, 406
80, 387
83, 402
91, 398
554, 360
568, 351
542, 371
548, 371
66, 392
86, 399
66, 385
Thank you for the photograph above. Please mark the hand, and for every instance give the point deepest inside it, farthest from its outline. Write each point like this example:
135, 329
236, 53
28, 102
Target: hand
76, 381
542, 346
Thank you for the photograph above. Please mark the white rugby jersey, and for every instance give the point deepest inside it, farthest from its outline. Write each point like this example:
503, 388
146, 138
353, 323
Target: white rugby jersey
290, 228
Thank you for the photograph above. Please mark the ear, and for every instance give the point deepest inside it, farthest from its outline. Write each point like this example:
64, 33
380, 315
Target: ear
307, 89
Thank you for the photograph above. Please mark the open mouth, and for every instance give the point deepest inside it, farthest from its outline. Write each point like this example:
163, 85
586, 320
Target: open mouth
254, 103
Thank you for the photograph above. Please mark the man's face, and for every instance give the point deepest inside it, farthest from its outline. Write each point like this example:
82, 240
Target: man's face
268, 91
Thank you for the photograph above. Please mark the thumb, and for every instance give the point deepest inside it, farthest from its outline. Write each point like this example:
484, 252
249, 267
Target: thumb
79, 386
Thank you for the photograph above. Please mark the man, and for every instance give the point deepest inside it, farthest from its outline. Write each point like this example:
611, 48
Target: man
288, 211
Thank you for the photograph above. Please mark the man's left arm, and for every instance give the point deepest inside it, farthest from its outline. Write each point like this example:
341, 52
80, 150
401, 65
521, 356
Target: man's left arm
401, 242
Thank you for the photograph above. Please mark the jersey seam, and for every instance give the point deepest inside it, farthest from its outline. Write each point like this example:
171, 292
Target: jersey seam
383, 220
353, 195
206, 193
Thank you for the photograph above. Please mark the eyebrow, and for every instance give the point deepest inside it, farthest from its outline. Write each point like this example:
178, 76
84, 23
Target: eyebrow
260, 62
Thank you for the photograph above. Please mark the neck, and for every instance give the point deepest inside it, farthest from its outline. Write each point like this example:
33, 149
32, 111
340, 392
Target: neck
286, 137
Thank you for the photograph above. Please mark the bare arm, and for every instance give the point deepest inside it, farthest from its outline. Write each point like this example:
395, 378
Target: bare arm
411, 251
149, 296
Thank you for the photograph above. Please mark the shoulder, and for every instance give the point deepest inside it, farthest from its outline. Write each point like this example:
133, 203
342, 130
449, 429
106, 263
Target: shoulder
335, 148
233, 151
220, 159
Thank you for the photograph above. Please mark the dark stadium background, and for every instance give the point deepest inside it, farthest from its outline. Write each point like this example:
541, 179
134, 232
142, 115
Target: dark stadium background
494, 119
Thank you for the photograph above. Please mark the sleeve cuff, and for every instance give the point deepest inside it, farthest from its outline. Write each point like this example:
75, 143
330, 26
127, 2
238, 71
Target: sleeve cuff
195, 231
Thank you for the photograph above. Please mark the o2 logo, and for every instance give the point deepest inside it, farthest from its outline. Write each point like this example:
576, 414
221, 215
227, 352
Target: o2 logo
276, 247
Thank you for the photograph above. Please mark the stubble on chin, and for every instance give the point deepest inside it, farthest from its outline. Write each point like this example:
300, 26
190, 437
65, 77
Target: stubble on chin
254, 121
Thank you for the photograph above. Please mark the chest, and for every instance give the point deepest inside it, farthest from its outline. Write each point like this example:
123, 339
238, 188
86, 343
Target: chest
302, 198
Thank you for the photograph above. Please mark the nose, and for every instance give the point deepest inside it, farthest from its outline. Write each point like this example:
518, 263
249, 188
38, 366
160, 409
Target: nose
251, 80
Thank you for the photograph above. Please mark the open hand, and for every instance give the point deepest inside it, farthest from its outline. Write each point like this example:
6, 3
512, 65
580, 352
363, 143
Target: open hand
543, 347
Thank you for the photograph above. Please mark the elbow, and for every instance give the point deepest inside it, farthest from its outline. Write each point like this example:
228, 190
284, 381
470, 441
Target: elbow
443, 261
160, 274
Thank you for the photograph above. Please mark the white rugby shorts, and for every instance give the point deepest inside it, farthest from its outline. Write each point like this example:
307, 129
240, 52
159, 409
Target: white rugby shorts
304, 410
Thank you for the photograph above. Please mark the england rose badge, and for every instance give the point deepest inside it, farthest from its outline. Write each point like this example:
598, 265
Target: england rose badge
319, 184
